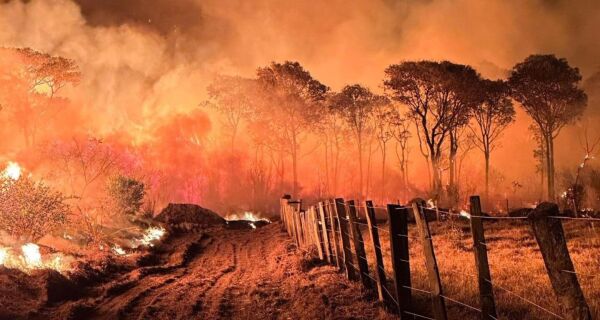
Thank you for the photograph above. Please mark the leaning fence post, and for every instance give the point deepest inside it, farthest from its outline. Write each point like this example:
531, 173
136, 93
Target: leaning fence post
486, 291
340, 209
359, 247
398, 221
550, 237
437, 300
326, 244
379, 269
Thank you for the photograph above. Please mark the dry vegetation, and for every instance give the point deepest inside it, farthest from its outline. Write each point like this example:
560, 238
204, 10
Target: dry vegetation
515, 262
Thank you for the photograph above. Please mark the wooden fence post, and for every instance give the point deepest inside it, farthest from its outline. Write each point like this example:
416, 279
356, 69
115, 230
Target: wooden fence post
359, 247
550, 237
314, 222
486, 291
334, 230
398, 228
342, 217
437, 300
326, 243
379, 269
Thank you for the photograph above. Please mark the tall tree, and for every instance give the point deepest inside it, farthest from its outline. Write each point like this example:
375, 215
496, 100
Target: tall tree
356, 104
292, 99
383, 117
232, 97
491, 116
433, 92
548, 89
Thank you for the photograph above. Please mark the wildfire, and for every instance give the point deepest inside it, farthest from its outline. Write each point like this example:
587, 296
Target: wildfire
246, 216
30, 259
430, 204
152, 234
465, 214
118, 250
12, 171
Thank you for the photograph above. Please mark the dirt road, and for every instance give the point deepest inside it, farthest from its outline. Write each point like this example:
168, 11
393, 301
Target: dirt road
226, 274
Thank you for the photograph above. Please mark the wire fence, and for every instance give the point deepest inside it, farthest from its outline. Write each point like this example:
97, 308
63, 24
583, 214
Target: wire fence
341, 228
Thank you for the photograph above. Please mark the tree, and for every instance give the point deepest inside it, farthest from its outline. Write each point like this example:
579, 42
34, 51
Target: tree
438, 99
356, 104
30, 209
127, 194
383, 117
401, 133
291, 101
491, 116
232, 97
35, 80
547, 88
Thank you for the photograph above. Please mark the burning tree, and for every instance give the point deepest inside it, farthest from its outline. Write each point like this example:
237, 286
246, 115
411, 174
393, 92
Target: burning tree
491, 117
30, 209
292, 99
547, 89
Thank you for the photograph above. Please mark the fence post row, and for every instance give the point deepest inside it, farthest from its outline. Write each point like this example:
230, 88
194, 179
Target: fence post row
359, 248
320, 224
550, 237
379, 268
326, 243
398, 229
342, 218
437, 299
486, 291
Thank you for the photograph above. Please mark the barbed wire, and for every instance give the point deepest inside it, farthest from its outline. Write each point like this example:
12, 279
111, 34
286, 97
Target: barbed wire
415, 315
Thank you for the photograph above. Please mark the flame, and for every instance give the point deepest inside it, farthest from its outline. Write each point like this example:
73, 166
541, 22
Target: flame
118, 250
31, 254
3, 255
152, 234
465, 214
246, 216
31, 259
430, 204
12, 171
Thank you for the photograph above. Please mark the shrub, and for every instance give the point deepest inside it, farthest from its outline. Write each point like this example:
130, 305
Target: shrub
30, 210
126, 194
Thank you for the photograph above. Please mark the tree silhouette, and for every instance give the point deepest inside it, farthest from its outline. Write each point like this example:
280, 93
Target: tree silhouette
491, 117
547, 89
291, 101
356, 105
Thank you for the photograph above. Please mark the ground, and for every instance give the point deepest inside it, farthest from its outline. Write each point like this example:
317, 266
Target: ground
217, 273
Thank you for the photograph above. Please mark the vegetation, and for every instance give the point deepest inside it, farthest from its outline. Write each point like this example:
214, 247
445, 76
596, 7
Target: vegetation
127, 194
30, 209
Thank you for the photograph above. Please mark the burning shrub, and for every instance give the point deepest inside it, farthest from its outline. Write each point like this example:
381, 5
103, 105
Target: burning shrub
30, 210
127, 194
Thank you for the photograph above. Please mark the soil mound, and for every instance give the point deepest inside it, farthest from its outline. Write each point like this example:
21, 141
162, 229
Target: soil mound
188, 216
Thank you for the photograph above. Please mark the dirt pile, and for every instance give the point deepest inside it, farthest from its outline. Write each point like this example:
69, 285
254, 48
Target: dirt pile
188, 217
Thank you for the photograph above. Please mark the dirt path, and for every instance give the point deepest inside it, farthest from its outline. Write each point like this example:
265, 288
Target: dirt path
229, 274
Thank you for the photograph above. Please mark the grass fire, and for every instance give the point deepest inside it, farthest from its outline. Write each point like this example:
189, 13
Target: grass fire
368, 159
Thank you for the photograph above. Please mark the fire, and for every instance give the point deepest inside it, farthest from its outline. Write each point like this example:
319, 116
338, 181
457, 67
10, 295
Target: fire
152, 234
118, 250
31, 253
431, 204
246, 216
12, 171
31, 259
465, 214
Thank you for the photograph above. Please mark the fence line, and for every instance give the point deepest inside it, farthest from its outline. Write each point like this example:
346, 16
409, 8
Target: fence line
332, 227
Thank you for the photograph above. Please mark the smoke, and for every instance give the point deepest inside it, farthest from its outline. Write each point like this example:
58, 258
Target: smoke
147, 64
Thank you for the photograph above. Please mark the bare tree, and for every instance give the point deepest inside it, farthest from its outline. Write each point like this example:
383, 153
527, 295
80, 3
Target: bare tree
401, 133
547, 89
491, 117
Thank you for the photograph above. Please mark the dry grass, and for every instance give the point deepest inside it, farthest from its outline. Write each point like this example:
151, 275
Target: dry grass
515, 261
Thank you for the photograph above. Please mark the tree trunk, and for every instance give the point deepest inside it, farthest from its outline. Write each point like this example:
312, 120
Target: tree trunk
360, 167
437, 180
383, 189
487, 176
551, 191
327, 188
295, 167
